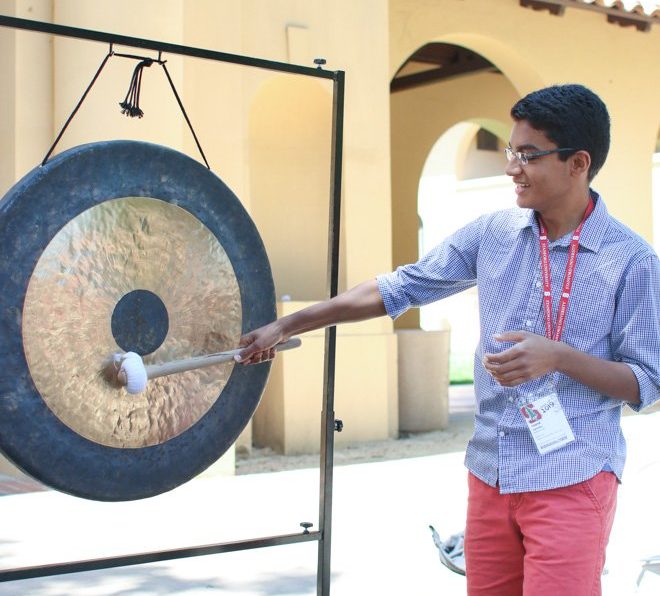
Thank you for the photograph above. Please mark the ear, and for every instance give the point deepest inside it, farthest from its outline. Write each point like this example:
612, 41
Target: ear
580, 163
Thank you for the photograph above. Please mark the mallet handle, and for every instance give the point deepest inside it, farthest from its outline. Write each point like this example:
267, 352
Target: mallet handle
177, 366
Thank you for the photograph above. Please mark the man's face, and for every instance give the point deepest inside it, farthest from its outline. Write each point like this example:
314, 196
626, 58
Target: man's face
545, 182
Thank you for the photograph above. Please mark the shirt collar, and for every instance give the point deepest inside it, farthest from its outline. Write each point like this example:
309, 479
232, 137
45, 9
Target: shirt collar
593, 230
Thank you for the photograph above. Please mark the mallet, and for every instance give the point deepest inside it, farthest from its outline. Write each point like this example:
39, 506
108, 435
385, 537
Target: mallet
129, 370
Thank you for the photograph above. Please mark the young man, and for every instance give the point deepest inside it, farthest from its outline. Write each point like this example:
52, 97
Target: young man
569, 304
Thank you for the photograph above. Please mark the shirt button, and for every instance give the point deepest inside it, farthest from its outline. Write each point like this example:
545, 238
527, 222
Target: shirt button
528, 323
539, 284
502, 433
510, 399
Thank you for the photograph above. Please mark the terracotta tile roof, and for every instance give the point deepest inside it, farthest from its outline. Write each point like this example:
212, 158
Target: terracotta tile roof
641, 14
650, 8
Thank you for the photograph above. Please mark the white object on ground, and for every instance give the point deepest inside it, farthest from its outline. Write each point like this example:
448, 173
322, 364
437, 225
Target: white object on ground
451, 551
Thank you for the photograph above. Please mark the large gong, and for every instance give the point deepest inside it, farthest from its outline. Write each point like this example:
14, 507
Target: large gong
115, 247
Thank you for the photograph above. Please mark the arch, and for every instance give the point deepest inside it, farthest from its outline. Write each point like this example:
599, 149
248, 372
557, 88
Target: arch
447, 200
289, 156
506, 58
451, 145
455, 153
441, 184
497, 127
420, 116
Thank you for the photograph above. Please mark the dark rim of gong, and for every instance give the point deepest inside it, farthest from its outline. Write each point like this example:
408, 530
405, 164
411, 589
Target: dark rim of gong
31, 214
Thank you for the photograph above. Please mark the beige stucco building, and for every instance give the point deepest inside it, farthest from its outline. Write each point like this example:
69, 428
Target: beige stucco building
268, 137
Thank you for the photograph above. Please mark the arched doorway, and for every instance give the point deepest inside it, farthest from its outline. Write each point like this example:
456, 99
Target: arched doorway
424, 104
462, 179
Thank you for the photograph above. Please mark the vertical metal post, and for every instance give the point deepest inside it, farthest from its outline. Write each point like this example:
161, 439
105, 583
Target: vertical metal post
328, 413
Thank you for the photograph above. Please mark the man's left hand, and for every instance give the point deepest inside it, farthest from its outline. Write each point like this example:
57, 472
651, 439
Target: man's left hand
531, 357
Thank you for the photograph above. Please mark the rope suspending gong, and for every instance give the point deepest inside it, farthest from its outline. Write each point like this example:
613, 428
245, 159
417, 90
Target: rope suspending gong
131, 104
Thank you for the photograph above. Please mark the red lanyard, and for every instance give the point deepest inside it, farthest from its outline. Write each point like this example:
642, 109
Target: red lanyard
568, 276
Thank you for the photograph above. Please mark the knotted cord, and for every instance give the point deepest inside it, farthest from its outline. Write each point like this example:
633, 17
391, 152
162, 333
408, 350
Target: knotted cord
131, 104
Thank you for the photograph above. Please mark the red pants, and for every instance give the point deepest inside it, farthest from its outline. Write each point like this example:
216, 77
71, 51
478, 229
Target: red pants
542, 543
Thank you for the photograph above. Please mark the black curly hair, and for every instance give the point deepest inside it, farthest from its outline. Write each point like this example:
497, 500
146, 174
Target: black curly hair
570, 116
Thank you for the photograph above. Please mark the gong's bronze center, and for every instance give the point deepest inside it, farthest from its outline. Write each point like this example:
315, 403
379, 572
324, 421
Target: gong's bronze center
147, 252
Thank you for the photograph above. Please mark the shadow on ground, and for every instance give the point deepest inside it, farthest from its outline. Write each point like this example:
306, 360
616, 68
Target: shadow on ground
159, 579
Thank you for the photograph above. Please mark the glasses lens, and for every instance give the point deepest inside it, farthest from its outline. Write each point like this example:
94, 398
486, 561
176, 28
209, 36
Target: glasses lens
511, 154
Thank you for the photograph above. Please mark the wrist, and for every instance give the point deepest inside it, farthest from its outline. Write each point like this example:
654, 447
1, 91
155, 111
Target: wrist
562, 357
283, 327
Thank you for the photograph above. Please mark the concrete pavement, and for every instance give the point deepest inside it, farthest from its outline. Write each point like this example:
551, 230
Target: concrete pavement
381, 541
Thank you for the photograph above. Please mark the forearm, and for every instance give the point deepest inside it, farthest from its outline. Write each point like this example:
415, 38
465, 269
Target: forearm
357, 304
362, 302
613, 379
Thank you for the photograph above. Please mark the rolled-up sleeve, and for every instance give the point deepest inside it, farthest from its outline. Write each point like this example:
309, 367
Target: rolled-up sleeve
636, 329
448, 268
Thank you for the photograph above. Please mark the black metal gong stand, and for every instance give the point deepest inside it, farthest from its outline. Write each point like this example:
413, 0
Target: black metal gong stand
328, 422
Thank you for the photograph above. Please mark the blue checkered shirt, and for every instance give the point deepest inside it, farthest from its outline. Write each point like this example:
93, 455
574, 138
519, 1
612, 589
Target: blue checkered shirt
613, 313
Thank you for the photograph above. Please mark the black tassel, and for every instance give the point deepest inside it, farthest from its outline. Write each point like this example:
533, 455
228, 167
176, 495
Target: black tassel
131, 104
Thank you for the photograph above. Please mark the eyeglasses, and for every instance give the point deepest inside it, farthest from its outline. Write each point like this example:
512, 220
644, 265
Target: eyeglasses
525, 158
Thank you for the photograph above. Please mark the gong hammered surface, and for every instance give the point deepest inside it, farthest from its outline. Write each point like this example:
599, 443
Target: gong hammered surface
98, 257
33, 213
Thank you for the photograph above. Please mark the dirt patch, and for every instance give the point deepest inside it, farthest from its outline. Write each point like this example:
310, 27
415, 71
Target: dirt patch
453, 439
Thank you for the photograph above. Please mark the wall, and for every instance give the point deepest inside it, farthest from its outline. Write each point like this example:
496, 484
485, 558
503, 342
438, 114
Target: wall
618, 63
266, 135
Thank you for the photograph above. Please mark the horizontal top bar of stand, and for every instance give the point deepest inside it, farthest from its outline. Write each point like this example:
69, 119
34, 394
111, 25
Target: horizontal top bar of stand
151, 557
159, 46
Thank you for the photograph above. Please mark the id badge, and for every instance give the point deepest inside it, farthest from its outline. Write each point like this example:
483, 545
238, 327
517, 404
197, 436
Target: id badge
546, 420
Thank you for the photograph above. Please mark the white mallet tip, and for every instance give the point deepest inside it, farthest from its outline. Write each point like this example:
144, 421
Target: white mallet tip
132, 371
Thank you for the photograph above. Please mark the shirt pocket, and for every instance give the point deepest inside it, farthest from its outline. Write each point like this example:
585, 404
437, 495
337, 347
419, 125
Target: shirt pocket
591, 310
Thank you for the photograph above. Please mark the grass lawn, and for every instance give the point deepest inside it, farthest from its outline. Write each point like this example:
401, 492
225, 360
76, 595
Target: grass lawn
461, 368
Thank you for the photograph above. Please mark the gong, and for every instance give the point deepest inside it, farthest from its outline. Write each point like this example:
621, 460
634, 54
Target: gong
114, 247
